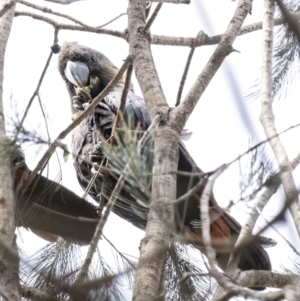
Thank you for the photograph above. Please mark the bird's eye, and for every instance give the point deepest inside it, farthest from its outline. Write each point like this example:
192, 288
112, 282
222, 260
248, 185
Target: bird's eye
93, 59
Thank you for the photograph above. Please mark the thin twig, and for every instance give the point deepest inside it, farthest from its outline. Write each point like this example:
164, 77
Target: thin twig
64, 2
102, 196
112, 20
180, 199
50, 11
191, 274
229, 287
62, 26
148, 9
224, 48
186, 69
47, 129
33, 96
99, 229
119, 117
184, 75
187, 66
76, 122
126, 88
152, 17
205, 220
120, 253
274, 229
146, 134
269, 139
92, 180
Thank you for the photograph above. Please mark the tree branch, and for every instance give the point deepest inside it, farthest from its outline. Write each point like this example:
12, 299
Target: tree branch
266, 278
64, 2
48, 10
152, 17
224, 48
9, 265
192, 42
155, 39
126, 88
37, 295
267, 118
140, 53
6, 6
99, 229
186, 69
33, 95
61, 26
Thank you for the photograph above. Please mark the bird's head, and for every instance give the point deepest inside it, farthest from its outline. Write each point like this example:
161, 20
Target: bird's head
86, 68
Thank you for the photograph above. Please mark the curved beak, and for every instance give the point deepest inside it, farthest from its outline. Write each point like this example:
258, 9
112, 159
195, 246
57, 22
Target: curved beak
77, 73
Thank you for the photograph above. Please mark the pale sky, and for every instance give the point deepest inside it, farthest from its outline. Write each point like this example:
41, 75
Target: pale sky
219, 133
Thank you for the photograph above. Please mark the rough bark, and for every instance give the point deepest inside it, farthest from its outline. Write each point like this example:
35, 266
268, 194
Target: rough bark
9, 263
160, 219
161, 215
140, 53
265, 278
34, 294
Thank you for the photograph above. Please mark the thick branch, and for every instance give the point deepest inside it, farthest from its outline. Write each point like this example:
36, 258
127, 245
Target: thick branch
193, 42
266, 278
9, 265
268, 121
140, 53
224, 48
37, 295
155, 39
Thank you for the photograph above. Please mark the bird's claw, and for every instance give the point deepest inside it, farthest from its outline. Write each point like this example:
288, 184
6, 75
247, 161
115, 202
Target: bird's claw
82, 99
97, 157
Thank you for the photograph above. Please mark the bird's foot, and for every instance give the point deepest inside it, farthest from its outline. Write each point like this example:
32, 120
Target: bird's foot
97, 157
82, 99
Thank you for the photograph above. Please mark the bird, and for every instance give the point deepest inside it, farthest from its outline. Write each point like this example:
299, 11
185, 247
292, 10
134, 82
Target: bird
49, 209
86, 72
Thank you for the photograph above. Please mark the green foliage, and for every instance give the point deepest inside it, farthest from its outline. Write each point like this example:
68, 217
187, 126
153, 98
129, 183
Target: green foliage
285, 65
180, 263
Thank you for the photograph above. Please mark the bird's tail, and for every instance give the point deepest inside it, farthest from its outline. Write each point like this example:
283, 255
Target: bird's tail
51, 210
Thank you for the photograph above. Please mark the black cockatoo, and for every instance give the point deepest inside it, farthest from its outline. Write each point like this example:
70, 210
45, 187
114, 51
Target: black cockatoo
86, 73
